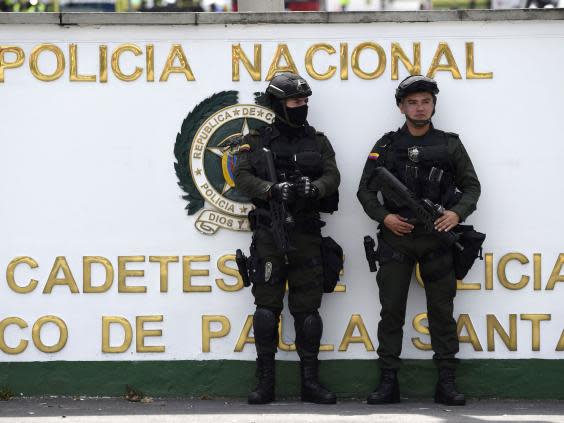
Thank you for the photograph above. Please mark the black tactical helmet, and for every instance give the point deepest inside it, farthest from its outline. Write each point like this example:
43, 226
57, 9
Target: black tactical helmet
288, 85
416, 84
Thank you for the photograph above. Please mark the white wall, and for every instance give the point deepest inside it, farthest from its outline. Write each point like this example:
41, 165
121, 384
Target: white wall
86, 169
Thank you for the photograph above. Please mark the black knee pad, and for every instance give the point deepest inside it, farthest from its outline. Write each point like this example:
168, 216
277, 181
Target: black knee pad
309, 328
265, 325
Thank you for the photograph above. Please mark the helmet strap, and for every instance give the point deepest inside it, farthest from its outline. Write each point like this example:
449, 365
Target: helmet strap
418, 123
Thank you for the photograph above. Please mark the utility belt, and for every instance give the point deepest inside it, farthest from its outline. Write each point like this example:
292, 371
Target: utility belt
260, 218
257, 270
469, 238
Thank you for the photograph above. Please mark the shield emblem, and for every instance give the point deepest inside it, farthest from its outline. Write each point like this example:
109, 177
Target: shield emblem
414, 154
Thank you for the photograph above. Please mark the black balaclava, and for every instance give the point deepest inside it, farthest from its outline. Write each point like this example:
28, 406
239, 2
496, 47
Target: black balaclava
289, 120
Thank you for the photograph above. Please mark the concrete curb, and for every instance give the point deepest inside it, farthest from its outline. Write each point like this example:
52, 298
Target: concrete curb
278, 17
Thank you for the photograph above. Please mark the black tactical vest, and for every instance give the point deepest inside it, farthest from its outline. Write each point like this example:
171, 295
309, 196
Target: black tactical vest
293, 158
424, 166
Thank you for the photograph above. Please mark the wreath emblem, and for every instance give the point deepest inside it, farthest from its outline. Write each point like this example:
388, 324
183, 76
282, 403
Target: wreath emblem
205, 152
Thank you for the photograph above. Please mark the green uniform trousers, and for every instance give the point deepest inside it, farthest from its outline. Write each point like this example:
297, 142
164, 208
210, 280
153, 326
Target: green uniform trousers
394, 277
304, 272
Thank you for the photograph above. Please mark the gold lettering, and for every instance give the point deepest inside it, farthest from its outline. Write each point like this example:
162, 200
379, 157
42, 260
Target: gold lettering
107, 321
444, 50
535, 328
356, 60
141, 333
23, 343
208, 334
470, 73
283, 346
245, 337
309, 61
176, 52
150, 62
87, 262
464, 322
344, 61
356, 322
67, 279
188, 273
555, 276
124, 273
36, 334
327, 347
103, 58
418, 277
414, 68
489, 271
238, 55
74, 76
501, 271
132, 48
510, 340
422, 329
34, 58
230, 271
560, 346
275, 67
164, 261
10, 65
341, 287
10, 275
467, 286
537, 272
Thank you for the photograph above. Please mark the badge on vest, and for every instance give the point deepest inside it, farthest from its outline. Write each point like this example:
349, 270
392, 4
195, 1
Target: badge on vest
414, 154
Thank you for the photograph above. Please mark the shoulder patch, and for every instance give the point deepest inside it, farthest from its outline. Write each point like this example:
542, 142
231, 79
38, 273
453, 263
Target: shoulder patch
385, 141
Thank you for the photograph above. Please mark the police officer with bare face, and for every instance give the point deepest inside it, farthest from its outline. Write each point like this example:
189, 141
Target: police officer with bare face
306, 184
433, 164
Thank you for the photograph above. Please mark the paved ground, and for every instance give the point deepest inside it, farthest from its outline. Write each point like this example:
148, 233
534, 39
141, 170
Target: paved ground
116, 410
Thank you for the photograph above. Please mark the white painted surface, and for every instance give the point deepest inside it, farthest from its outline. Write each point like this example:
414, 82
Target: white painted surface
87, 169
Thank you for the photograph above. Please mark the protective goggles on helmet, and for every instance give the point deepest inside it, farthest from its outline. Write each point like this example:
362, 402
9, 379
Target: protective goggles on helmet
416, 83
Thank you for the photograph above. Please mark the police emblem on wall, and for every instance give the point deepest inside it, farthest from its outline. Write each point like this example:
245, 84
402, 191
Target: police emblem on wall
205, 152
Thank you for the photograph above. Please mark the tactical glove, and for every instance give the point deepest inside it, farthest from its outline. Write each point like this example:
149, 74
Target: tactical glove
306, 189
283, 191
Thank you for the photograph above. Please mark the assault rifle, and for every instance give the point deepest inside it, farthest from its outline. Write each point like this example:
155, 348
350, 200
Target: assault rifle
424, 209
281, 220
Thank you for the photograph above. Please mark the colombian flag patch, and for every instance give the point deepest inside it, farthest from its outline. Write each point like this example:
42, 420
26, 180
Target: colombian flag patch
373, 156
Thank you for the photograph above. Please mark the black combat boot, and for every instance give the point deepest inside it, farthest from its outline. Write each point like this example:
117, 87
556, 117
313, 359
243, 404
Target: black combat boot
312, 390
388, 388
264, 392
446, 392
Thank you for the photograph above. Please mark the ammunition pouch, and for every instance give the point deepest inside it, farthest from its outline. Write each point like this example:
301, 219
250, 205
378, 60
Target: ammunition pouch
263, 270
332, 256
472, 242
330, 203
309, 163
